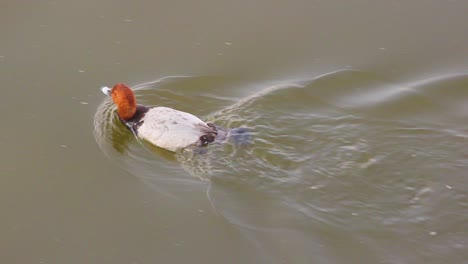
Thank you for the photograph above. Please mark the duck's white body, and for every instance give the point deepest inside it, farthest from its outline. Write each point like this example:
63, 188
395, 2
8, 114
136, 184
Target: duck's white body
172, 129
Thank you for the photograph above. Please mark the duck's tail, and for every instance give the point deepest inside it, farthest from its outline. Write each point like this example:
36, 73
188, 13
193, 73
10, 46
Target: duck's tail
240, 136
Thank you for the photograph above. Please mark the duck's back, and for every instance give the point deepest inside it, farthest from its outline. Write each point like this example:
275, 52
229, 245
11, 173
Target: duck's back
172, 129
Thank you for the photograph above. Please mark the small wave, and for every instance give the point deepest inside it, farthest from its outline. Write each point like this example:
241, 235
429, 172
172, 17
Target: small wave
331, 150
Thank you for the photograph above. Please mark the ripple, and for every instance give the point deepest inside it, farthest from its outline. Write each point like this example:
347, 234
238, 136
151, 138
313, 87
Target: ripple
348, 150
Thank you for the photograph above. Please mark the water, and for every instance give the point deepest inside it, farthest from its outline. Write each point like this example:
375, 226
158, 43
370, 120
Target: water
358, 118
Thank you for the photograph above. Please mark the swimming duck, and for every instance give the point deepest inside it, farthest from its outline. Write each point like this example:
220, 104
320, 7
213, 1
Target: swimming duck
162, 126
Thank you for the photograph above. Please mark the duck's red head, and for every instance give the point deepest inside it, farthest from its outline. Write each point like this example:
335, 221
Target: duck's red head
125, 100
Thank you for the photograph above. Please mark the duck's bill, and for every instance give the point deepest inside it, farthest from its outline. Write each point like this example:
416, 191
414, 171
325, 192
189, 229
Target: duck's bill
106, 90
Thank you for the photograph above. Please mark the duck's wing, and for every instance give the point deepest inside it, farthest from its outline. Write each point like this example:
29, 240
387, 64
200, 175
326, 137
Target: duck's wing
172, 129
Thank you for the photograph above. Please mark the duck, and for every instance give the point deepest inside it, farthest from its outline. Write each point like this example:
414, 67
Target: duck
163, 127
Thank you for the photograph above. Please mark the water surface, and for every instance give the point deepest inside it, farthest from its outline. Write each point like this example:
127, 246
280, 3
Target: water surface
357, 110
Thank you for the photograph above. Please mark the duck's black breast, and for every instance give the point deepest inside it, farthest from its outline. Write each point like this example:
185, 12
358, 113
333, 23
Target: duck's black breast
137, 120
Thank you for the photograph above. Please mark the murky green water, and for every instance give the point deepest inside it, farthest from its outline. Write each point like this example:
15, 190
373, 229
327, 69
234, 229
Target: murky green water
358, 115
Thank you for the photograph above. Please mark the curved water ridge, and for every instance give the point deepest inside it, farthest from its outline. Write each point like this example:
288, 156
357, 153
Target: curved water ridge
347, 156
